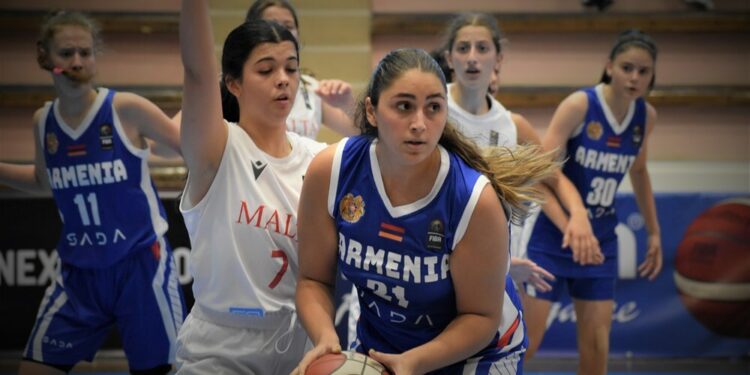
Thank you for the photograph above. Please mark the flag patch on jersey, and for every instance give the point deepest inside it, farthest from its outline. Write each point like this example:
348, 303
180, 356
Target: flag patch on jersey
77, 150
391, 232
613, 141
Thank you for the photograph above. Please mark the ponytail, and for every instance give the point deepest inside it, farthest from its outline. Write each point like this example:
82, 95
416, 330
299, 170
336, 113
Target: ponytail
514, 174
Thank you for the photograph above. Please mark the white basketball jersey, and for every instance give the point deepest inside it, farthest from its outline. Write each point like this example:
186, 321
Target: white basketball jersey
307, 113
244, 232
494, 128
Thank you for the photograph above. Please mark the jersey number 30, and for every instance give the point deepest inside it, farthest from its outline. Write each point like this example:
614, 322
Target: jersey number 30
602, 192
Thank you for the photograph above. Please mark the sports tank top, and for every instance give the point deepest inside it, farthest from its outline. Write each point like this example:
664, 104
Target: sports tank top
494, 128
398, 256
599, 153
101, 184
244, 232
307, 112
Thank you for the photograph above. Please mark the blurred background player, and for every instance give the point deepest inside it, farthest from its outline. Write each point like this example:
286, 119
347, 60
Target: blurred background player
116, 266
326, 102
602, 133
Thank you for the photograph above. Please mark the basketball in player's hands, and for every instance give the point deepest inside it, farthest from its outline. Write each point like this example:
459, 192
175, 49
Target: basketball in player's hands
345, 363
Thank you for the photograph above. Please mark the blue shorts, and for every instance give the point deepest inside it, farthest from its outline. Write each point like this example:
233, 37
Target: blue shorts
585, 288
140, 294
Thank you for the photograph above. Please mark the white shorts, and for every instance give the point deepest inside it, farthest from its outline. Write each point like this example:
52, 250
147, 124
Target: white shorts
207, 348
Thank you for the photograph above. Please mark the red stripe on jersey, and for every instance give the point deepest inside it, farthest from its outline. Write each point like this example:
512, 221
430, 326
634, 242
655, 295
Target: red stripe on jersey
505, 339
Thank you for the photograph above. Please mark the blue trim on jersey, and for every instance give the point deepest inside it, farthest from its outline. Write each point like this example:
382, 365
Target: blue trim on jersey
399, 264
598, 157
103, 191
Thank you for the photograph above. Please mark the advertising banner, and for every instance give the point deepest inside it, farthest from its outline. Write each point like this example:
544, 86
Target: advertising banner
699, 306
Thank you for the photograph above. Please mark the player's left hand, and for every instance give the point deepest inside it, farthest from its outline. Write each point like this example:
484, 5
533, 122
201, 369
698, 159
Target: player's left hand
336, 93
526, 271
651, 267
395, 363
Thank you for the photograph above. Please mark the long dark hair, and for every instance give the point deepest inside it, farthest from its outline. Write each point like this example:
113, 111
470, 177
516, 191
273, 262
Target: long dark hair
513, 174
238, 46
628, 39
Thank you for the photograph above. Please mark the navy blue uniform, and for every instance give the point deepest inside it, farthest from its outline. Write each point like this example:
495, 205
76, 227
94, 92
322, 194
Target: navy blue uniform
116, 265
599, 154
398, 257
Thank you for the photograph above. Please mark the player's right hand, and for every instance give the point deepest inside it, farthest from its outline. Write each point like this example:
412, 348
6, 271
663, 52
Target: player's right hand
319, 350
579, 236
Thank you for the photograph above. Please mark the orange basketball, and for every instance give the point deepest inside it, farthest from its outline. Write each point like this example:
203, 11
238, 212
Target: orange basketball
712, 268
345, 363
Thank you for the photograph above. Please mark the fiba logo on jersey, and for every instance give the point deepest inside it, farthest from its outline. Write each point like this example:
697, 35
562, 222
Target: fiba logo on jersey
712, 268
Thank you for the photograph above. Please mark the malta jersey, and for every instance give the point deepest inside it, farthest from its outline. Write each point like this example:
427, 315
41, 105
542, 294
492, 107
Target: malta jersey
244, 232
494, 128
307, 112
398, 256
101, 185
599, 154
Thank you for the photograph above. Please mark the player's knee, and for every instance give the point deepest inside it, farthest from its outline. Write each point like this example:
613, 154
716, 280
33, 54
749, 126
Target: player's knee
158, 370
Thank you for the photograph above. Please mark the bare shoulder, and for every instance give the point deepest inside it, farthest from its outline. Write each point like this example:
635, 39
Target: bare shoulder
126, 101
577, 102
37, 116
526, 132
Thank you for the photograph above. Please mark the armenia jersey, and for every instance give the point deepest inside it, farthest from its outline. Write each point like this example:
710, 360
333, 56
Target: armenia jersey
599, 154
307, 112
101, 185
398, 257
494, 128
244, 232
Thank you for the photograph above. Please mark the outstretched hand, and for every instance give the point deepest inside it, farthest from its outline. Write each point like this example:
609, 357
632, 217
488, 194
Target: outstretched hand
336, 93
526, 271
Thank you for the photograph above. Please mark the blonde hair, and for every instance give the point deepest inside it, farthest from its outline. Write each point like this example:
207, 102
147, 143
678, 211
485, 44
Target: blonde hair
513, 173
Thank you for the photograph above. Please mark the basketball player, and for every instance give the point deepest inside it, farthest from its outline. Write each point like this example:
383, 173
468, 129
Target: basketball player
602, 132
240, 199
116, 266
398, 207
329, 102
473, 53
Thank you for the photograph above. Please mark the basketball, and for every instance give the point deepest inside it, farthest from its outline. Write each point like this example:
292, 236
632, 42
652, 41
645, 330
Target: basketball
345, 363
712, 268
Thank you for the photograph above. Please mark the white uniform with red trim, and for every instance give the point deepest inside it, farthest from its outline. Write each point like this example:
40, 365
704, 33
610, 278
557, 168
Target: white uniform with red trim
244, 257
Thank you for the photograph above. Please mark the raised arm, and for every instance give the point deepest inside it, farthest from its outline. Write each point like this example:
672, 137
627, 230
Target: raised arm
477, 267
338, 106
317, 260
203, 131
644, 196
578, 233
28, 178
161, 132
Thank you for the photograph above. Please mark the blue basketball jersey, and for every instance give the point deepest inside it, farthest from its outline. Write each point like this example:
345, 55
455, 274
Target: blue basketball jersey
101, 185
398, 257
599, 154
